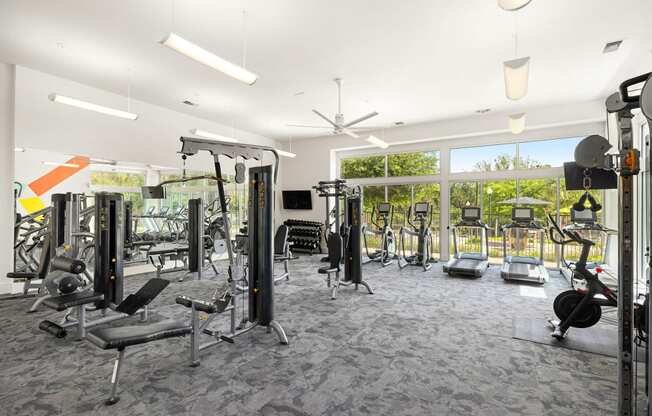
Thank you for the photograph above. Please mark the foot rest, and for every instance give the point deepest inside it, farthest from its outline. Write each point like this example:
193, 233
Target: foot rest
121, 337
61, 303
22, 275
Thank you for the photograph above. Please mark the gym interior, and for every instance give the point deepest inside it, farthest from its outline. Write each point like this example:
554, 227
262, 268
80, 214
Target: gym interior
358, 207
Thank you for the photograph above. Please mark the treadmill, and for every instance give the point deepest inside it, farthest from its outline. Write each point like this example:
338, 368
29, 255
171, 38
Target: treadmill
522, 266
472, 264
585, 222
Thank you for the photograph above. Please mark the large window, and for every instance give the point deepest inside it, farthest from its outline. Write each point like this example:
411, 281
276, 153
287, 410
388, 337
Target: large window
392, 165
484, 158
413, 164
463, 194
363, 167
546, 153
123, 179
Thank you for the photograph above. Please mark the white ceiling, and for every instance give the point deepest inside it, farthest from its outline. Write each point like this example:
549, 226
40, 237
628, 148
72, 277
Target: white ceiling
412, 61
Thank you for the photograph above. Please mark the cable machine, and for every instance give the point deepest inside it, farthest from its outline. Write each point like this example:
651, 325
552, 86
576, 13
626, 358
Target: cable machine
591, 153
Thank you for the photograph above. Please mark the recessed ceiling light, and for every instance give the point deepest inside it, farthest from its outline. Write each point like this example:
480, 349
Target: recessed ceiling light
612, 46
513, 5
483, 110
190, 103
296, 94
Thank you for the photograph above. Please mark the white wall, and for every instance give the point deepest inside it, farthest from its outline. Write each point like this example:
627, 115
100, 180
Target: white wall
7, 73
317, 159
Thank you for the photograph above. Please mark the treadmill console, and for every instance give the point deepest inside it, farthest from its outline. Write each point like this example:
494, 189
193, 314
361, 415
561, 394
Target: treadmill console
421, 208
522, 215
586, 216
470, 214
384, 208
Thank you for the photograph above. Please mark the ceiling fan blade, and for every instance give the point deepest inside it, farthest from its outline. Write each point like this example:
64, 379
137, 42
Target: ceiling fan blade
361, 119
350, 133
368, 128
326, 118
308, 126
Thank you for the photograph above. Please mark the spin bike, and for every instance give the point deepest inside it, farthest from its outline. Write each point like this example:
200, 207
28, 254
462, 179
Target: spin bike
582, 308
385, 256
423, 215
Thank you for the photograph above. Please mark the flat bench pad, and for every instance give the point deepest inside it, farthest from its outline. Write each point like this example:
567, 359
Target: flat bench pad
168, 248
124, 336
61, 303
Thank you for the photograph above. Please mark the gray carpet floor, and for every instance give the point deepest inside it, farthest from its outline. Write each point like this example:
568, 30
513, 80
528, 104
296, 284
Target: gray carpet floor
423, 344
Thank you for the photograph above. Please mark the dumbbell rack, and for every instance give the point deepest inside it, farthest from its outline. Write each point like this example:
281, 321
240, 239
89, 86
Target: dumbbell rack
305, 236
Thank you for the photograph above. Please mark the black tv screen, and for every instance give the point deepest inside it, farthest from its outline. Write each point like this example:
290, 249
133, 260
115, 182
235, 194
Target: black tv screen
297, 200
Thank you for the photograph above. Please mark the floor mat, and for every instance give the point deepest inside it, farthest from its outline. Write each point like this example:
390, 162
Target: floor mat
602, 339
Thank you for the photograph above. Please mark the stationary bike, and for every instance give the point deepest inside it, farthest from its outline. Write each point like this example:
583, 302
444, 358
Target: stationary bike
422, 258
385, 256
581, 308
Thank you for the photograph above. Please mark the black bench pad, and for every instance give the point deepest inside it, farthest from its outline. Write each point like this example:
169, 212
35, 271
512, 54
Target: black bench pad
22, 275
125, 336
326, 270
61, 303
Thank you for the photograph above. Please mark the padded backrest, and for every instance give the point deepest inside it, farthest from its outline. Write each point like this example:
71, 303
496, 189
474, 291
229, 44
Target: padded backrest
44, 260
335, 249
281, 239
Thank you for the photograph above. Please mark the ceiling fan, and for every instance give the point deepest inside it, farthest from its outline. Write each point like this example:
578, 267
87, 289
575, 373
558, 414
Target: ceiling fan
338, 125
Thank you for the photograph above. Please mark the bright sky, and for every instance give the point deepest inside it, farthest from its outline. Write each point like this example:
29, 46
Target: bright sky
550, 152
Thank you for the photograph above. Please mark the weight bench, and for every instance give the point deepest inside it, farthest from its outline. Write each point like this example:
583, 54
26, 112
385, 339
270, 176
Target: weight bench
160, 252
120, 338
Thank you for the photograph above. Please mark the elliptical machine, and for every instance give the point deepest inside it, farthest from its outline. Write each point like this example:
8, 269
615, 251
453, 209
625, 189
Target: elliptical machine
385, 256
423, 215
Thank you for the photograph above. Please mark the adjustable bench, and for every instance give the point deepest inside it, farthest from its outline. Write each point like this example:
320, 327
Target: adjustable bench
120, 338
174, 251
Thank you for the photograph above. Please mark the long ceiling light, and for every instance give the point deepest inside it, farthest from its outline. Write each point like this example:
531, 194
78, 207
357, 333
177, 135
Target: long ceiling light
284, 153
517, 73
192, 51
513, 5
67, 165
19, 149
377, 142
62, 99
208, 135
517, 123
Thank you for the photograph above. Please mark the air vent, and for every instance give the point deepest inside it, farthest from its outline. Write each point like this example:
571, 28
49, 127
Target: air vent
612, 46
399, 123
190, 103
483, 110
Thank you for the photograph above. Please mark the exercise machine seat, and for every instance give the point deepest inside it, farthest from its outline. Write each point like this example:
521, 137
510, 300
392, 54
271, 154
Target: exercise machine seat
201, 306
125, 336
334, 255
168, 248
63, 302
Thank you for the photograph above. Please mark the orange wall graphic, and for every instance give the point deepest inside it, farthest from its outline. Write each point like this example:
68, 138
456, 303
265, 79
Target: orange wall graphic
58, 175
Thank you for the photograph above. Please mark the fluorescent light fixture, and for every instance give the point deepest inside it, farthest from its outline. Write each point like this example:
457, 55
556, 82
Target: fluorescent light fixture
284, 153
67, 165
517, 72
159, 167
62, 99
377, 142
19, 149
192, 51
517, 123
96, 161
209, 135
513, 5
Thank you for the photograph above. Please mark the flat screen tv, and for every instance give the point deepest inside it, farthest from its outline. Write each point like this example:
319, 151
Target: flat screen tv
297, 200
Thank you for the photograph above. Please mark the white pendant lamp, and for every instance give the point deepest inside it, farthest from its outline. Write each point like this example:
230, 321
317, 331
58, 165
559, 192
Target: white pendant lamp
208, 135
517, 73
377, 142
517, 123
285, 154
62, 99
513, 5
201, 55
